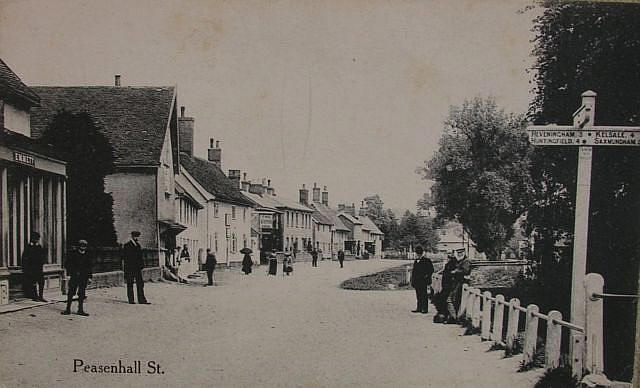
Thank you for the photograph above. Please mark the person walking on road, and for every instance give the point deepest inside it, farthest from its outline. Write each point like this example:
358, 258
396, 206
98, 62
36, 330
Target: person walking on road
247, 263
133, 265
33, 258
341, 258
79, 265
314, 258
421, 280
210, 266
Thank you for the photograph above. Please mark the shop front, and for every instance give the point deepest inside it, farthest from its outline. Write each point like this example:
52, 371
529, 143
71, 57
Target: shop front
32, 199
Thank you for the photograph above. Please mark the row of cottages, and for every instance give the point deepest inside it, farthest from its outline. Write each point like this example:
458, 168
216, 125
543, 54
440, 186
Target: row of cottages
32, 189
218, 216
141, 125
267, 220
364, 234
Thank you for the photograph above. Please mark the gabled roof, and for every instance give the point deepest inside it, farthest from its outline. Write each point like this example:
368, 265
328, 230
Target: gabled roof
320, 219
291, 204
368, 224
212, 179
182, 192
264, 202
12, 88
332, 215
350, 218
134, 119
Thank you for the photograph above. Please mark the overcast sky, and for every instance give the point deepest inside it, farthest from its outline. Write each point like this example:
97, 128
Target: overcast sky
346, 93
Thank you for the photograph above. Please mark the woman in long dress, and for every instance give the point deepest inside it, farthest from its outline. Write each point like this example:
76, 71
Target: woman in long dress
247, 263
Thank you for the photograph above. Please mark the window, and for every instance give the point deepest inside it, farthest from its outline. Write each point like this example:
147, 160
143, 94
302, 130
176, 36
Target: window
216, 210
244, 216
244, 240
233, 242
233, 212
215, 240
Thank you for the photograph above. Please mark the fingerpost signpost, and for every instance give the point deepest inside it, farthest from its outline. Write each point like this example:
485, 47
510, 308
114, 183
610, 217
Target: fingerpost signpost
585, 135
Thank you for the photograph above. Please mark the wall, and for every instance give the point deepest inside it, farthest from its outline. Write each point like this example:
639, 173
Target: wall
134, 205
217, 230
16, 119
166, 182
322, 239
303, 230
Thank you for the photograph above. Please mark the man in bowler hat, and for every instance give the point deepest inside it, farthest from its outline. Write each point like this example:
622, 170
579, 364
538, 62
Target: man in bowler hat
33, 258
210, 265
421, 280
79, 265
133, 265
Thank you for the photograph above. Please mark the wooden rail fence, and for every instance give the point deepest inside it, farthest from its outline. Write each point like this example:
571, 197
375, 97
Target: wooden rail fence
486, 315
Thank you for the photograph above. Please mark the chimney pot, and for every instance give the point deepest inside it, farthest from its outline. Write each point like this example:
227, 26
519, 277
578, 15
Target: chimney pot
117, 79
211, 142
182, 111
244, 176
268, 182
314, 185
217, 143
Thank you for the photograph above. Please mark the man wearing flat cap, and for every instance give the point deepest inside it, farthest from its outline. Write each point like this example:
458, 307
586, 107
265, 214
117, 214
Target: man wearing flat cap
133, 265
79, 265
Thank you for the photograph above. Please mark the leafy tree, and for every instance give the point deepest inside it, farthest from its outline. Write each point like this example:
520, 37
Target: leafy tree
89, 159
481, 172
384, 219
417, 230
581, 46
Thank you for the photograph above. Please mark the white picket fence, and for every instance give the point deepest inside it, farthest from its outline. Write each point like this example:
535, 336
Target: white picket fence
486, 314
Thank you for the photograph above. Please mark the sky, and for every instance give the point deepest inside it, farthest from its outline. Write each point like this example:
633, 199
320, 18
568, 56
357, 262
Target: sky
350, 94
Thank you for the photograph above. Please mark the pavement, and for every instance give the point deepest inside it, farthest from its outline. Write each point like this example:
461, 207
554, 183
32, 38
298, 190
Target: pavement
250, 331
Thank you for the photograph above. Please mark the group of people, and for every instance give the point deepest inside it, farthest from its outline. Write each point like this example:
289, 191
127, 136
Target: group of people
455, 273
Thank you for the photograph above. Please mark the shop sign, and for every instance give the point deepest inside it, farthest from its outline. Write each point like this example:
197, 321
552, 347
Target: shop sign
24, 159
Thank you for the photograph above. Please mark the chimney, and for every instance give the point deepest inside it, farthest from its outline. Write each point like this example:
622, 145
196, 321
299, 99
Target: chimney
304, 195
270, 189
341, 207
245, 182
363, 208
316, 193
351, 209
325, 196
117, 77
234, 176
185, 133
256, 188
215, 154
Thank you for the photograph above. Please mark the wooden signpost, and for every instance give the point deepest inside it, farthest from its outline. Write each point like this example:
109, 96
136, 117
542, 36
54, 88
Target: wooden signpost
585, 135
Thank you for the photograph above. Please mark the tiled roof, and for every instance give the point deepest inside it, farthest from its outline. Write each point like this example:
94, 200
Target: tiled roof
12, 87
264, 202
212, 179
25, 143
321, 219
331, 214
134, 119
368, 224
291, 204
350, 218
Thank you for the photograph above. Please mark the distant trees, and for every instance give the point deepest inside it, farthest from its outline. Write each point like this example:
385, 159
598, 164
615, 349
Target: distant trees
89, 159
418, 230
481, 173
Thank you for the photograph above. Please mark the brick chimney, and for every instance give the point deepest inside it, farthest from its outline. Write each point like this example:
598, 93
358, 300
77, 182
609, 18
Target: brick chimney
351, 209
245, 182
117, 79
270, 189
185, 133
325, 196
304, 195
215, 153
234, 176
316, 193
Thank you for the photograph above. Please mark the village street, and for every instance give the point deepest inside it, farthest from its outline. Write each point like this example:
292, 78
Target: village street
253, 331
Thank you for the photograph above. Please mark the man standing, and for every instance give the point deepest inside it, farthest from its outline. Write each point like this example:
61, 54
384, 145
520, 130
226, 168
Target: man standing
460, 276
210, 265
341, 258
33, 258
314, 258
421, 280
78, 265
133, 265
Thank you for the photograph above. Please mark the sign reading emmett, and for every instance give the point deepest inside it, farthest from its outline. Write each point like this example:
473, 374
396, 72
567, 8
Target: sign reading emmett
590, 136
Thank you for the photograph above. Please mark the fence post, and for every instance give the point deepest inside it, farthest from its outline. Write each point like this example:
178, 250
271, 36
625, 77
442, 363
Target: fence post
463, 300
514, 320
486, 316
471, 300
554, 337
594, 360
407, 275
475, 317
531, 334
498, 319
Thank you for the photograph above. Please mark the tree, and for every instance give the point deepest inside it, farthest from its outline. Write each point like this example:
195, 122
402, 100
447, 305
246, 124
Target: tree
417, 230
384, 219
89, 159
581, 46
481, 172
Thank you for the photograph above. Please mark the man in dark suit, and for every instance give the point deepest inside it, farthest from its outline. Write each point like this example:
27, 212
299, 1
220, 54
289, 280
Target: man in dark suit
210, 265
133, 265
341, 258
421, 280
33, 258
314, 258
79, 265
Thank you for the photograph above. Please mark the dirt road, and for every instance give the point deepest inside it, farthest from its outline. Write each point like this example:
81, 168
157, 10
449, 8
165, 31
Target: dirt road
256, 330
